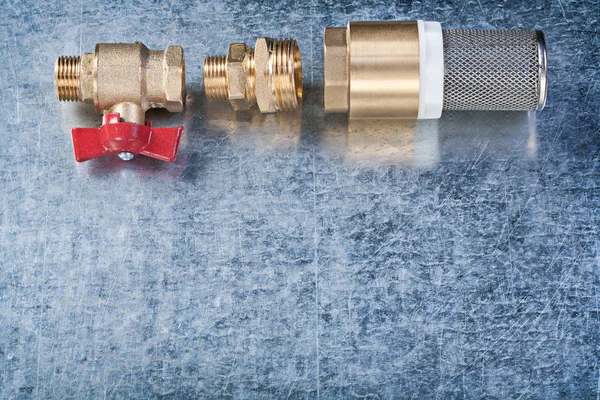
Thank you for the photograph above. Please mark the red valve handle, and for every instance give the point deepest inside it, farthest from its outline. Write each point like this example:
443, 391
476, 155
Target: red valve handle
115, 137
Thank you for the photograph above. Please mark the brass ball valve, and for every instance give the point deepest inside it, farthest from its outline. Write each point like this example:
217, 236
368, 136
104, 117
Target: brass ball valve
268, 75
123, 81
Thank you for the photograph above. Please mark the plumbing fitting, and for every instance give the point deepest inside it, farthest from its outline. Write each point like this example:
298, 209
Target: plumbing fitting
413, 69
123, 81
270, 75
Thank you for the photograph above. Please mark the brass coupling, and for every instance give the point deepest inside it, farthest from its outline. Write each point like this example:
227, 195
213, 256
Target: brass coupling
123, 77
268, 75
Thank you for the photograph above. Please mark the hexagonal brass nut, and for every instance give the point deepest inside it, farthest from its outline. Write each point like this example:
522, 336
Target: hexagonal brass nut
174, 81
336, 70
238, 91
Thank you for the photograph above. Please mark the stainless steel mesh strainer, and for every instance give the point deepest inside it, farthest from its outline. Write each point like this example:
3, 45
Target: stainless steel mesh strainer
494, 70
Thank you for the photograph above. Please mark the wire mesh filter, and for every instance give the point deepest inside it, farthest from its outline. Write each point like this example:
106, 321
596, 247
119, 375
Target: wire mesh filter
493, 70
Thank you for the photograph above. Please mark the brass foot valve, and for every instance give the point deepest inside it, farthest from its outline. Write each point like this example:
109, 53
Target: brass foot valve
123, 81
414, 69
270, 75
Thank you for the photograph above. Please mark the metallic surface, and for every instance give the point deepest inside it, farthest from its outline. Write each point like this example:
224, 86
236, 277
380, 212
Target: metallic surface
126, 156
299, 255
268, 75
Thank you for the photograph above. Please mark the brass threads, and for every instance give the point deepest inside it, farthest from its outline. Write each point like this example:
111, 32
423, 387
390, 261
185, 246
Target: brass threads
67, 78
250, 67
286, 77
268, 75
214, 71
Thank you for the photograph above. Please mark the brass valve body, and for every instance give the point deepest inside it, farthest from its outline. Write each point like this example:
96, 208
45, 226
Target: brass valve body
125, 78
268, 75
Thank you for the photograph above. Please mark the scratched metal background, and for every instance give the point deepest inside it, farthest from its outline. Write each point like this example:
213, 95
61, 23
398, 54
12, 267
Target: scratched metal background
297, 255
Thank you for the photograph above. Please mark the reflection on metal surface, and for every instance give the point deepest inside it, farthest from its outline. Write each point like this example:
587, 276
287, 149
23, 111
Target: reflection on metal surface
264, 132
423, 144
275, 131
410, 143
477, 135
418, 144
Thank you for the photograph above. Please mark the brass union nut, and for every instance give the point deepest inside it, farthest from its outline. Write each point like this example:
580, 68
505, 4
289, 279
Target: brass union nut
240, 88
336, 70
270, 75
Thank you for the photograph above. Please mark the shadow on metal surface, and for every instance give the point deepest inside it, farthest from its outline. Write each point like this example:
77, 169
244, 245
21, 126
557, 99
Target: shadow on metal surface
211, 127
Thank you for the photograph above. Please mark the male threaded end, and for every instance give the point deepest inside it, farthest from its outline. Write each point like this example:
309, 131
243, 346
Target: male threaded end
215, 77
67, 78
250, 68
285, 79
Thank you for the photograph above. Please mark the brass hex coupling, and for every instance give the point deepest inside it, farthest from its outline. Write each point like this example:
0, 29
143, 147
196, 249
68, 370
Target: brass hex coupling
268, 75
123, 81
414, 69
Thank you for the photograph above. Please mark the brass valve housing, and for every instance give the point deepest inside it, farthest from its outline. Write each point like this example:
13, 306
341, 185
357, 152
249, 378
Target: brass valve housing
268, 75
124, 78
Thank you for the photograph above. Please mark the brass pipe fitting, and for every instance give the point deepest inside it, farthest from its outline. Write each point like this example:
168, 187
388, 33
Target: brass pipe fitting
268, 75
415, 70
124, 78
